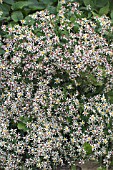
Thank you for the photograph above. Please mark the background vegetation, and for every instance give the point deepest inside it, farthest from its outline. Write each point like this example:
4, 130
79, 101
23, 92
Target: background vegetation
16, 10
13, 11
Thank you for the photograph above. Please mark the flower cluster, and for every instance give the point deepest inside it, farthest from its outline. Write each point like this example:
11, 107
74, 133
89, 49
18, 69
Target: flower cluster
57, 81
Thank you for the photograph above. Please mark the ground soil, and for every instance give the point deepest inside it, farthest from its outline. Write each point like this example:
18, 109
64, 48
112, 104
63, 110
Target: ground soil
87, 166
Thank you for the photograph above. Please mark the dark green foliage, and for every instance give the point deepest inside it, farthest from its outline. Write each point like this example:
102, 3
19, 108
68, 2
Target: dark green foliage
9, 7
17, 16
98, 7
16, 10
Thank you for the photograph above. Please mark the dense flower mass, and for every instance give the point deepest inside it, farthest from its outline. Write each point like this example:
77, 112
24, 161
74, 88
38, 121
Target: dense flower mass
57, 90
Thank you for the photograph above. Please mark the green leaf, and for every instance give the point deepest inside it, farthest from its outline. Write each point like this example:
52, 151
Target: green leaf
1, 51
111, 5
111, 14
92, 78
37, 7
21, 126
29, 20
104, 10
25, 119
51, 9
2, 18
73, 167
5, 9
89, 2
72, 19
46, 2
87, 148
21, 4
100, 3
94, 13
26, 11
34, 1
100, 168
76, 27
65, 32
111, 163
59, 7
110, 96
17, 16
9, 1
11, 24
89, 14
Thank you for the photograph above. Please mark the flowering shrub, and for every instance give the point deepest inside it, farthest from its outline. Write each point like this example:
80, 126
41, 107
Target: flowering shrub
57, 90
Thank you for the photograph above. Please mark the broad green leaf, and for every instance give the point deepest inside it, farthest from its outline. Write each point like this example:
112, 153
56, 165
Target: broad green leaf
11, 24
111, 14
54, 1
2, 51
76, 27
94, 13
89, 14
29, 20
104, 10
87, 148
2, 18
5, 9
21, 126
72, 19
46, 2
21, 4
111, 5
51, 9
25, 119
26, 11
8, 1
100, 3
5, 18
73, 167
89, 2
34, 1
17, 16
37, 7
